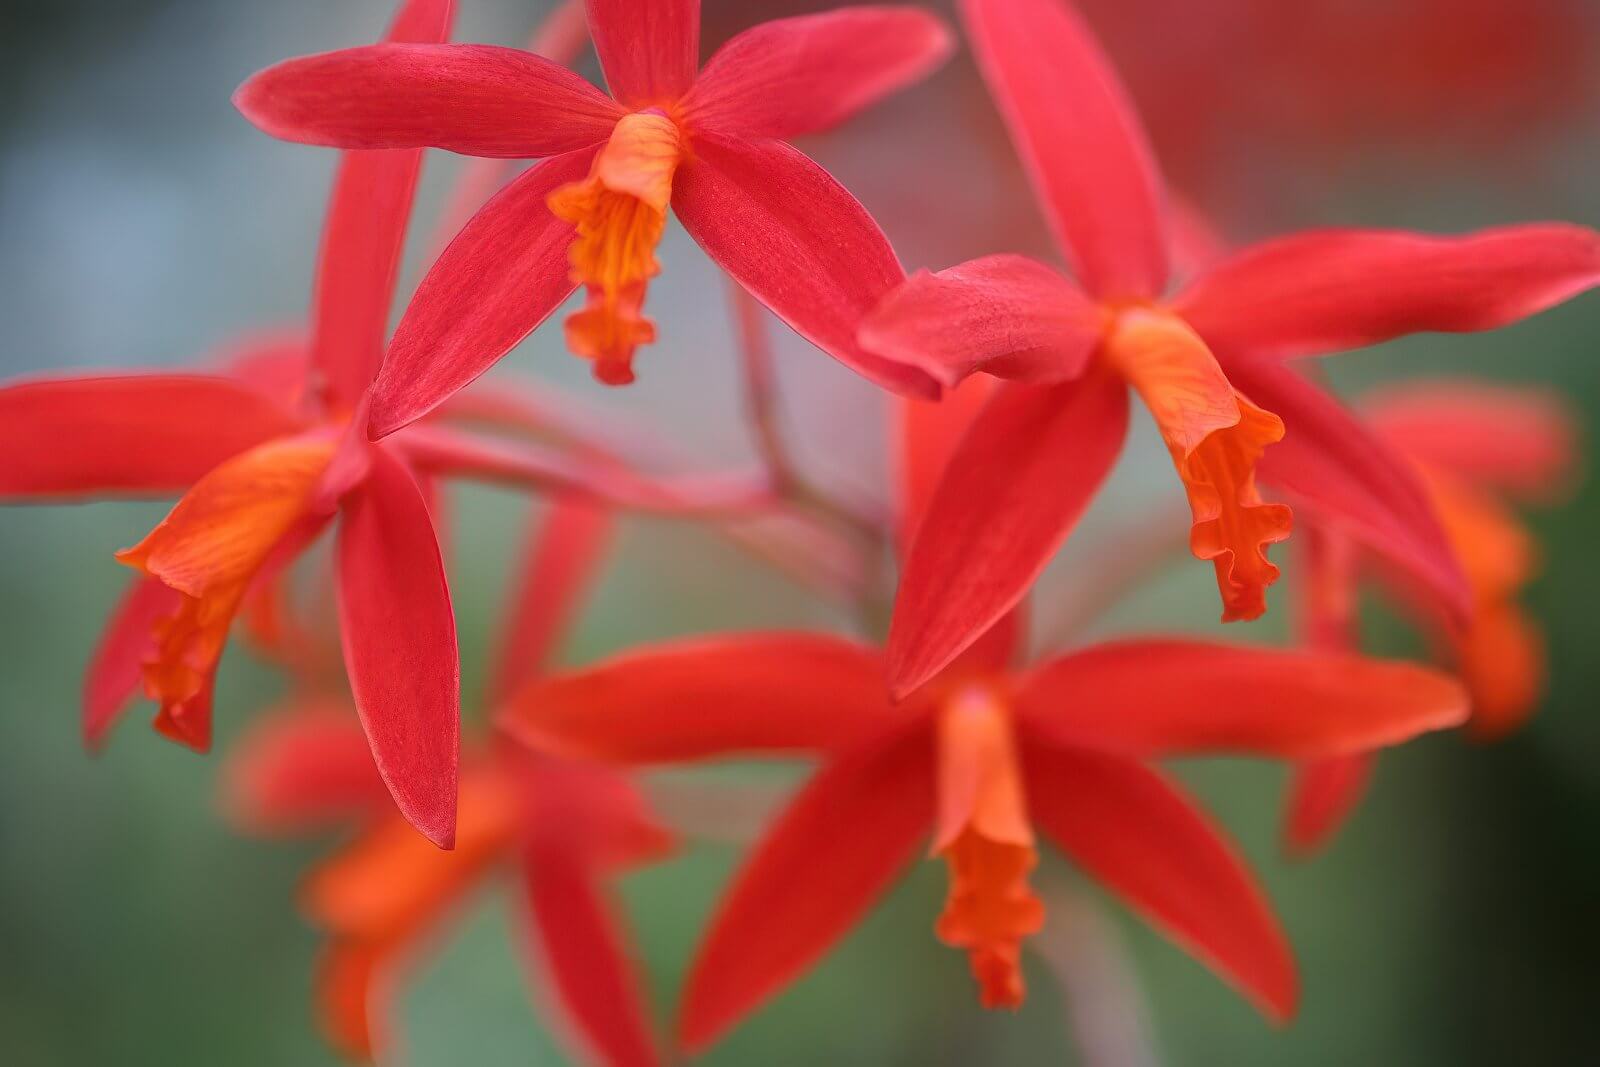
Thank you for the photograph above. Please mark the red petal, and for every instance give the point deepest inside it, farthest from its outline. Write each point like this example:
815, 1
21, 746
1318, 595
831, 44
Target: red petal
354, 988
1080, 139
502, 276
422, 21
835, 849
798, 241
1147, 843
801, 75
1153, 698
139, 434
1321, 797
926, 435
563, 558
361, 245
583, 949
1008, 315
649, 51
1331, 290
399, 641
303, 768
477, 99
117, 670
709, 697
1522, 440
1332, 463
1018, 483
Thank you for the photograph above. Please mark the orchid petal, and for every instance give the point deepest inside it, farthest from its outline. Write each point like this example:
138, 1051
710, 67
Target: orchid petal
649, 51
1332, 463
1333, 290
300, 769
1080, 139
476, 99
1322, 796
399, 638
116, 672
1008, 315
500, 278
1016, 486
926, 435
1154, 698
583, 949
805, 74
137, 434
1522, 440
563, 557
361, 245
784, 229
831, 853
708, 697
1138, 835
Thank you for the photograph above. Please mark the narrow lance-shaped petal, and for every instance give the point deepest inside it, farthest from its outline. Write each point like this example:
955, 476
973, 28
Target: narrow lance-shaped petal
1216, 438
1010, 316
209, 548
649, 51
564, 554
784, 229
716, 696
1517, 439
363, 238
1322, 795
499, 279
1018, 483
1154, 698
1333, 290
925, 436
1080, 139
304, 767
137, 434
582, 947
476, 99
829, 856
1146, 842
801, 75
399, 639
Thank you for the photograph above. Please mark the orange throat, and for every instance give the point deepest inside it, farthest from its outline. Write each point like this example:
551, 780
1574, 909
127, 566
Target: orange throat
985, 839
620, 211
1216, 437
209, 548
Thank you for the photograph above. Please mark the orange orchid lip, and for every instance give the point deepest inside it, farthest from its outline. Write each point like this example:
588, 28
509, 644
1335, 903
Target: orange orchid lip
1216, 436
985, 837
620, 211
208, 549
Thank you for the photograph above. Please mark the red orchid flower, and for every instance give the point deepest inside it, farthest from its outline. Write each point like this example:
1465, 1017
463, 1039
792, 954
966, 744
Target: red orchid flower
982, 754
266, 455
566, 828
707, 145
1474, 444
982, 757
262, 478
1207, 362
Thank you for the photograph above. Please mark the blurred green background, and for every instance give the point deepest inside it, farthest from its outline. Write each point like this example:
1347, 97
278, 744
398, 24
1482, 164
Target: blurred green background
142, 222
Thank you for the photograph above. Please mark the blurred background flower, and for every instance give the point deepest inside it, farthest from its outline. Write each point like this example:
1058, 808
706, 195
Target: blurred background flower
142, 221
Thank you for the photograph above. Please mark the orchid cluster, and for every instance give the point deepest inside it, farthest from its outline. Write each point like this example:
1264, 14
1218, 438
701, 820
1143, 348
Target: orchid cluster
937, 726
